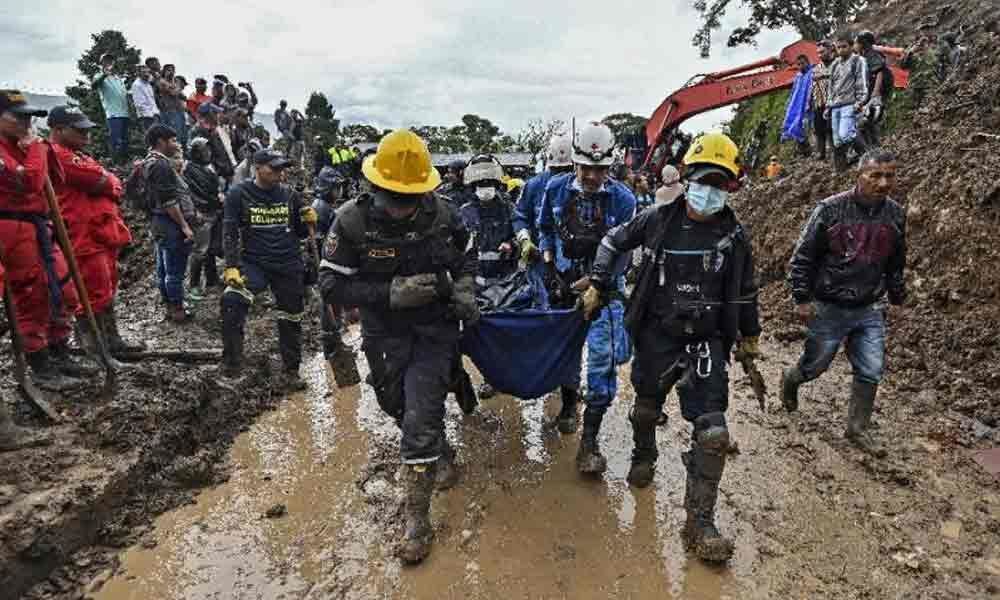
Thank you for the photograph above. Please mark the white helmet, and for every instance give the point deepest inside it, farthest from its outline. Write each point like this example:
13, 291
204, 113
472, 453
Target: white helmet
483, 167
560, 151
594, 145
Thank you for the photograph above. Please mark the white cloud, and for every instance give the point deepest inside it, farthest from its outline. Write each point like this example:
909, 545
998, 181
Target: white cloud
398, 62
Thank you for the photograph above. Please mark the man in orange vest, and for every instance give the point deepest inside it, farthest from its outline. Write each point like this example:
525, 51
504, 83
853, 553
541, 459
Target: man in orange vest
88, 198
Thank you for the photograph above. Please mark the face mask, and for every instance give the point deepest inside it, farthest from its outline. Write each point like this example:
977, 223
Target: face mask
705, 199
486, 193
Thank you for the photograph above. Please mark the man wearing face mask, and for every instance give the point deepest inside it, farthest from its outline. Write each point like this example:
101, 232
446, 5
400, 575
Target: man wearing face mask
488, 217
402, 255
577, 211
696, 296
330, 196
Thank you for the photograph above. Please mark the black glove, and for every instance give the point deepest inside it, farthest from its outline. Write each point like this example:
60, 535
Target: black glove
413, 291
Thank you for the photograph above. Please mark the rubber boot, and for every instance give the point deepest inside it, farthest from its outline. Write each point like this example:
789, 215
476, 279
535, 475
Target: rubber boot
700, 496
790, 382
46, 376
568, 419
211, 274
13, 437
465, 392
589, 460
232, 346
342, 362
67, 364
108, 322
416, 542
644, 454
859, 414
446, 471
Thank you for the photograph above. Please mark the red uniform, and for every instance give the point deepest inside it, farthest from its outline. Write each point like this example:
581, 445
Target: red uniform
88, 197
23, 217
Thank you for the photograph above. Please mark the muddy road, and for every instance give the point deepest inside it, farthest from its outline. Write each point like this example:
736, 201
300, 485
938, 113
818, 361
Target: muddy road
311, 510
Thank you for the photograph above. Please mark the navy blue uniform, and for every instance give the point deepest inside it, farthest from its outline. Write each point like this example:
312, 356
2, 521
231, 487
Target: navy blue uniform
491, 225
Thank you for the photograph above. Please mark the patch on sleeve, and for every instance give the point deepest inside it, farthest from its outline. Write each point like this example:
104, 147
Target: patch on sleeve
330, 246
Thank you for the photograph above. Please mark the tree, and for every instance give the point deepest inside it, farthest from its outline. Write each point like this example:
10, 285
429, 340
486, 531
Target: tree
625, 126
481, 133
813, 20
536, 135
126, 65
356, 133
318, 107
319, 120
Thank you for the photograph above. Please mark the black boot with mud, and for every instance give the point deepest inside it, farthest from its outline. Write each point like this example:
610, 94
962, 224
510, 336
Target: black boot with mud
790, 382
568, 419
589, 460
47, 376
644, 454
63, 360
343, 364
417, 540
446, 470
13, 437
108, 323
859, 414
705, 463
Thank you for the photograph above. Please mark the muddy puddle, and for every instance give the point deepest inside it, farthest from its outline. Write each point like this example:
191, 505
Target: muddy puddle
522, 523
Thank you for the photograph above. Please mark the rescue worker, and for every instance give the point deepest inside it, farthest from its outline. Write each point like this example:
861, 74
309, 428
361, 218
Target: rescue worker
263, 221
403, 256
330, 196
88, 198
577, 211
454, 184
206, 194
488, 217
559, 161
35, 265
695, 297
850, 257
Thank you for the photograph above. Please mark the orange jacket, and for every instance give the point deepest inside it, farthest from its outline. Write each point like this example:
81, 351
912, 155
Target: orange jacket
22, 177
88, 198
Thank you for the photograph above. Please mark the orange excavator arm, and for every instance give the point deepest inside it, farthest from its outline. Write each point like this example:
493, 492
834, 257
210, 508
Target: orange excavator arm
724, 88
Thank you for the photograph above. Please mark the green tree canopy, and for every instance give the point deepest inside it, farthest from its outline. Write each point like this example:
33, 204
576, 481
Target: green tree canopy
319, 107
624, 125
536, 134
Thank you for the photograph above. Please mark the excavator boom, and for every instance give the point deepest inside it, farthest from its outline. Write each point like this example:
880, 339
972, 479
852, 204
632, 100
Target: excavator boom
725, 88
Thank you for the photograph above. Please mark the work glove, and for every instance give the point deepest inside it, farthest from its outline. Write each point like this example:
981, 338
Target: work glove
529, 251
750, 347
591, 303
463, 301
309, 215
412, 291
231, 276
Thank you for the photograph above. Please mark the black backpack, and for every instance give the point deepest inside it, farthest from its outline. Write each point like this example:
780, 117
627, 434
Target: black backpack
136, 191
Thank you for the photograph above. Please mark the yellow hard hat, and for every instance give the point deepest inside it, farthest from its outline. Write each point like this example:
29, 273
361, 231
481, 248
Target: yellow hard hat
402, 164
513, 183
715, 149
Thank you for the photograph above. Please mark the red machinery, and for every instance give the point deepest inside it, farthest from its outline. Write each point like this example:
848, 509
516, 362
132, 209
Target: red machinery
715, 90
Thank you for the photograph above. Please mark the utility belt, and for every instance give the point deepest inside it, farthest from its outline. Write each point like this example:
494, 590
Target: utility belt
689, 320
44, 238
695, 363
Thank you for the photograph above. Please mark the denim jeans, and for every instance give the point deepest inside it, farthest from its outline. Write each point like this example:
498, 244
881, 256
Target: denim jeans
172, 252
843, 125
864, 331
178, 122
146, 122
118, 137
608, 346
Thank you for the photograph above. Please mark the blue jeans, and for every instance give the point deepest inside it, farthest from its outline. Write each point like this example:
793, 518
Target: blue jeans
172, 252
178, 122
608, 346
864, 330
118, 137
844, 125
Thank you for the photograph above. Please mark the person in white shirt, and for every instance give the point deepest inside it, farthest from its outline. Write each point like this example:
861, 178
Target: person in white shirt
144, 99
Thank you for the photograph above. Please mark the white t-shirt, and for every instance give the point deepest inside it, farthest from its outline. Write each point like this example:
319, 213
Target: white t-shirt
144, 98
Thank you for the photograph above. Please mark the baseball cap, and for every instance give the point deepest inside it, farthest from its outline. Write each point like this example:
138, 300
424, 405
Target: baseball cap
207, 108
271, 158
15, 102
69, 116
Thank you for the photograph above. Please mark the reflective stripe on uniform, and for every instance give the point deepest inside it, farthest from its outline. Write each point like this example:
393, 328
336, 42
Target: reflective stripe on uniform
287, 316
489, 256
240, 291
341, 269
607, 244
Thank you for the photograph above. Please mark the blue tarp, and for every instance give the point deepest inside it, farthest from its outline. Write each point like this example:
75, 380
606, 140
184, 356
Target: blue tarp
799, 111
527, 353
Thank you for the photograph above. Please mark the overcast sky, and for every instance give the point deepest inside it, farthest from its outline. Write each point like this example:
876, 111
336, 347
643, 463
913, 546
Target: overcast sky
396, 63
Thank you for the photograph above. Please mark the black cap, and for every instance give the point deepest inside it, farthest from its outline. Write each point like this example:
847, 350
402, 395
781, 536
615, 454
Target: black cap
271, 158
69, 116
15, 102
200, 81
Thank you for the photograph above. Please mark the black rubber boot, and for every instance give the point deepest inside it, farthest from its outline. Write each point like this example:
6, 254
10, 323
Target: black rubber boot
859, 415
211, 274
446, 471
13, 437
465, 392
840, 159
108, 323
568, 419
232, 343
589, 460
644, 454
705, 464
46, 376
343, 365
790, 382
67, 364
416, 542
195, 266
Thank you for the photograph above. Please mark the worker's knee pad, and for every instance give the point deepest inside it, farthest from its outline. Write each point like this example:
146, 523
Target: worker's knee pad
711, 433
646, 412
